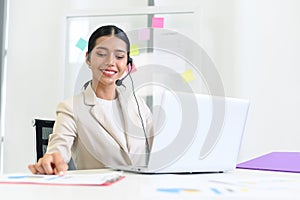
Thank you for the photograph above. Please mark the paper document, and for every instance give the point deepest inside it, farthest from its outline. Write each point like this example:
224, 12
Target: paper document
68, 179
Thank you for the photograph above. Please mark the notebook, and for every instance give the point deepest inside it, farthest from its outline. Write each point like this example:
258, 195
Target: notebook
195, 133
274, 161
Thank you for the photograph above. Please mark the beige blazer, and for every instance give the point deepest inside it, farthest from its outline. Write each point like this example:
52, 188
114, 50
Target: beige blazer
82, 131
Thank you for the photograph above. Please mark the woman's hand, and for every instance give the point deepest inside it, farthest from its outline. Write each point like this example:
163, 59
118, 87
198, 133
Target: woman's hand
49, 164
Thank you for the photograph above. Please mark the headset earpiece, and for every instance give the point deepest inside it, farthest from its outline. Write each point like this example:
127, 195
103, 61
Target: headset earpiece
119, 81
129, 61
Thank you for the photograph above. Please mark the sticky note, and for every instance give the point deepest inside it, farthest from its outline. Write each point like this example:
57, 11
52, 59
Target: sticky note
81, 44
157, 22
144, 34
188, 75
133, 68
134, 50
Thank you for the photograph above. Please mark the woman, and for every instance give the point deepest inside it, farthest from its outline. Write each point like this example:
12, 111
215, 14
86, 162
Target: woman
102, 126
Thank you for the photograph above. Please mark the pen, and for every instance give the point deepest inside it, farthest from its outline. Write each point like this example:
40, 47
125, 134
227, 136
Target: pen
113, 180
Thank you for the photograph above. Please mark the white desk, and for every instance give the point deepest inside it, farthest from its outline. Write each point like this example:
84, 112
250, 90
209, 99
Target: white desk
244, 184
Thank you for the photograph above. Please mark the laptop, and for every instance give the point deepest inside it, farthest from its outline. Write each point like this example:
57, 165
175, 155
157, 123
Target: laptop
195, 133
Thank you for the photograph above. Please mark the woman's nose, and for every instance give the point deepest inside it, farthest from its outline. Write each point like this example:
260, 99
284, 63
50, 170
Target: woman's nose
111, 59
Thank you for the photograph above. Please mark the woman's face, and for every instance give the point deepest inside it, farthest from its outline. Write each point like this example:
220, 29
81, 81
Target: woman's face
108, 60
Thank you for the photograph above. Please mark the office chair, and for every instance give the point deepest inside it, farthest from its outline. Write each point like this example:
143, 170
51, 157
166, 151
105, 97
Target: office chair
43, 128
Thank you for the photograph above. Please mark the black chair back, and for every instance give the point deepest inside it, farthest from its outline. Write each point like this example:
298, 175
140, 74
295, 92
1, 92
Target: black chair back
43, 128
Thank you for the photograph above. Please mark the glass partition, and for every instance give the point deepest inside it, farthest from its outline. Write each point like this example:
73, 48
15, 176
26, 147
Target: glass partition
144, 27
162, 48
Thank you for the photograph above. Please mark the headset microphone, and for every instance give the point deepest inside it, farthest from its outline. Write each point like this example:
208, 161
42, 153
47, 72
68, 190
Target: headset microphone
119, 82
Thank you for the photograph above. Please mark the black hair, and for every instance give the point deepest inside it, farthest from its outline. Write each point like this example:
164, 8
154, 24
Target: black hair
108, 30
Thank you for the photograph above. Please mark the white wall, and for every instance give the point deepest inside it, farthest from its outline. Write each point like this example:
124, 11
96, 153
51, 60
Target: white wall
254, 44
34, 75
267, 72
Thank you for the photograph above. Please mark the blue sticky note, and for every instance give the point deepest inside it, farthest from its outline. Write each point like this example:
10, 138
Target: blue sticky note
81, 44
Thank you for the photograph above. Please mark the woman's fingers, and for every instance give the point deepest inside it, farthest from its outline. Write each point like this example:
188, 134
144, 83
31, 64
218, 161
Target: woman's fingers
49, 164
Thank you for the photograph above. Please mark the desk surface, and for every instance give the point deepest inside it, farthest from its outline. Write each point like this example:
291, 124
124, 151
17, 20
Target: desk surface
239, 184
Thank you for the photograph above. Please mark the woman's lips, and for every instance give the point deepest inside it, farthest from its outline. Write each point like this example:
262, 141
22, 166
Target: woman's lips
108, 72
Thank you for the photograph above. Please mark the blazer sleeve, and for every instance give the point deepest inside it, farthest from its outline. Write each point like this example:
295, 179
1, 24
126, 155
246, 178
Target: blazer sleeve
64, 130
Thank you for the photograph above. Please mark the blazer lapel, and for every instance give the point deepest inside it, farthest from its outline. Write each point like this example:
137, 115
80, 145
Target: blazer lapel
132, 123
98, 113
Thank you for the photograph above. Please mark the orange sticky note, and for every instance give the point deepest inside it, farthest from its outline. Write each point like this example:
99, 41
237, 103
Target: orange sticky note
188, 75
157, 22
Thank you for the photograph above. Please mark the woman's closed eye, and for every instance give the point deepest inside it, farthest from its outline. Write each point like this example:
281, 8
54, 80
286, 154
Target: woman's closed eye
120, 57
102, 54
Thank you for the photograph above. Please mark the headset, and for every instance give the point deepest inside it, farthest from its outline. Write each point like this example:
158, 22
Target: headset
119, 82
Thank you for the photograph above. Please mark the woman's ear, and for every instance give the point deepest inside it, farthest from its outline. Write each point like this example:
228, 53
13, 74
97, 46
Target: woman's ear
87, 58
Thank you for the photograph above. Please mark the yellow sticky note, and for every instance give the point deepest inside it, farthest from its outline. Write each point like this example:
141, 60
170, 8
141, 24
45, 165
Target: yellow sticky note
188, 75
134, 50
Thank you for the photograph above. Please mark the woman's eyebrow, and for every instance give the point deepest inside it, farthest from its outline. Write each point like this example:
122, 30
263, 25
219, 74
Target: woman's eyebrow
120, 50
104, 48
117, 50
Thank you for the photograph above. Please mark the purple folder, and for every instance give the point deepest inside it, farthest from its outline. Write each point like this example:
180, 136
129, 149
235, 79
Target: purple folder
275, 161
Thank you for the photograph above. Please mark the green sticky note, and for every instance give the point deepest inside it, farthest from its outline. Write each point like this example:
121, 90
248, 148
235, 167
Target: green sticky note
188, 75
81, 44
134, 50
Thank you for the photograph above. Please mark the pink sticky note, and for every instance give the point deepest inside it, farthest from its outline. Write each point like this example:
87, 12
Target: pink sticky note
144, 34
133, 68
157, 22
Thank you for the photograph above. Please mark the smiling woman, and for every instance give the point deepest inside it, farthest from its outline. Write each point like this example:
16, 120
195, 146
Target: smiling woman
94, 127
